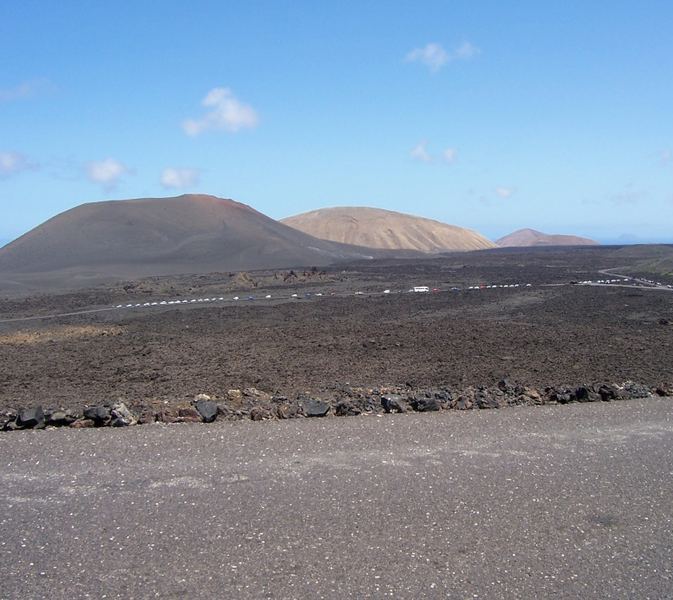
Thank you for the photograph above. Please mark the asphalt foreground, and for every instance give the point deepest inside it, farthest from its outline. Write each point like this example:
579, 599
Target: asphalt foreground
570, 501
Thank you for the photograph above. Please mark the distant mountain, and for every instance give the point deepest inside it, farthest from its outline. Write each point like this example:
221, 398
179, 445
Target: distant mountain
531, 237
160, 236
378, 228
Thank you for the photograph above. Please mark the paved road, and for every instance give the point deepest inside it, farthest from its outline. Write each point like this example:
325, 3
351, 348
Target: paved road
549, 502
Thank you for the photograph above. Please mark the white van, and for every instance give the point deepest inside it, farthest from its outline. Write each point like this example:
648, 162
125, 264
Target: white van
420, 288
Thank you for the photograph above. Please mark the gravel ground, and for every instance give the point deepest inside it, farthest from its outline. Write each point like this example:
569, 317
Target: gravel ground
552, 502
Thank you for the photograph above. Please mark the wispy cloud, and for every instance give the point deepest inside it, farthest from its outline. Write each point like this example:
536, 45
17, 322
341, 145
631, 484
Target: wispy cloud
179, 178
666, 157
225, 112
420, 152
12, 163
434, 56
449, 155
24, 90
107, 172
504, 192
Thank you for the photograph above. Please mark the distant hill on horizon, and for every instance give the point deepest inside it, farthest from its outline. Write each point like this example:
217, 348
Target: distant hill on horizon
532, 237
125, 239
386, 229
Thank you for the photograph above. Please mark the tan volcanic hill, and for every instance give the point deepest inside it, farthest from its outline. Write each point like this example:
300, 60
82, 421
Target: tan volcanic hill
531, 237
378, 228
160, 236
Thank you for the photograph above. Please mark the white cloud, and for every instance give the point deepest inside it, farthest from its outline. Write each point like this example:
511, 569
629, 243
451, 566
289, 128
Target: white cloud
26, 89
12, 163
431, 55
449, 155
434, 56
226, 113
465, 51
504, 192
420, 152
106, 172
177, 178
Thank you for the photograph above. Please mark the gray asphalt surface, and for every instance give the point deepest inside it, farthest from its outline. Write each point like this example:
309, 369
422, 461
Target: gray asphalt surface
551, 502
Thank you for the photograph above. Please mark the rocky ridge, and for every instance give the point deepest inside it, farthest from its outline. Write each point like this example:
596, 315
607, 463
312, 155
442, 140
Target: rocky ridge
258, 405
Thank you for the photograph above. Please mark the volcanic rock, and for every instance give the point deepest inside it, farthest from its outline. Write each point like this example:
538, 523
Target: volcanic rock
392, 403
207, 409
121, 416
347, 408
313, 407
31, 418
99, 414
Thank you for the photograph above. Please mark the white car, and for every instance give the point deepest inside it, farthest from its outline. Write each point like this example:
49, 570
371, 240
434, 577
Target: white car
386, 291
235, 297
268, 296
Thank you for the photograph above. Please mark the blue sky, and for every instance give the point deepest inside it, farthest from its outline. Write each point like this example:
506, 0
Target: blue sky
553, 115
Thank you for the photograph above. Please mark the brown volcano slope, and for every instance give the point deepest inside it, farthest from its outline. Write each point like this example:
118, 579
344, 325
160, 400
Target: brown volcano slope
378, 228
157, 236
531, 237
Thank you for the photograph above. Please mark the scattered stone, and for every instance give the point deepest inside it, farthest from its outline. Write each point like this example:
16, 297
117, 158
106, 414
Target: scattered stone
484, 399
259, 413
100, 414
313, 407
463, 402
287, 411
121, 416
187, 414
392, 403
631, 389
425, 404
31, 418
201, 397
506, 386
147, 415
207, 409
587, 394
664, 390
608, 393
563, 395
83, 424
235, 396
256, 394
347, 408
60, 418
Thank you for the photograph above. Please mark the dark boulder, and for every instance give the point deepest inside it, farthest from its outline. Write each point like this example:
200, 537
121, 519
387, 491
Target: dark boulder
630, 389
608, 393
100, 414
425, 404
563, 395
313, 407
60, 418
31, 418
121, 416
587, 394
347, 408
485, 399
207, 409
392, 403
